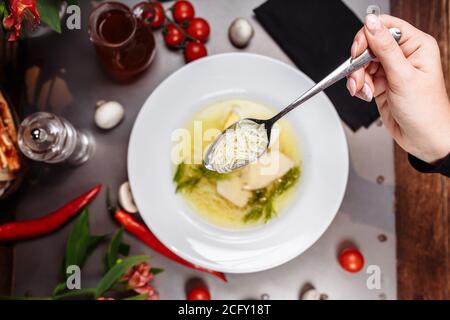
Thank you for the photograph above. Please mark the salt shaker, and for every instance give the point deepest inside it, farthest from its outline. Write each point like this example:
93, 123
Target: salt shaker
49, 138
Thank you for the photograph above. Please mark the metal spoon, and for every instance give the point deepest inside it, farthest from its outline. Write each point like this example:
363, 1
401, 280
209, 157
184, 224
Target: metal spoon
344, 70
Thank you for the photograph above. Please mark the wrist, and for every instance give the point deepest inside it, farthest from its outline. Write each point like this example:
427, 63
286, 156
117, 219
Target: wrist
438, 158
438, 152
435, 144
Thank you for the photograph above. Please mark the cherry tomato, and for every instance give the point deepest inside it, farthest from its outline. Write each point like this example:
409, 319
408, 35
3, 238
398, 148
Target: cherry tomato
183, 11
194, 50
199, 293
198, 28
173, 36
144, 11
159, 18
351, 260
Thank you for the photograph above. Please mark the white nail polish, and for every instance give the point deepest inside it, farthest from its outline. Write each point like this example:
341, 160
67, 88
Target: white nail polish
351, 86
366, 93
373, 24
354, 49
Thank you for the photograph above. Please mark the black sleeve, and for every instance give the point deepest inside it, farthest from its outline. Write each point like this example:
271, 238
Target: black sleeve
442, 167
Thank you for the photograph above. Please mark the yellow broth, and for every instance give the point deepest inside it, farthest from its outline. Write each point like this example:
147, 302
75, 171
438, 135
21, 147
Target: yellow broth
203, 198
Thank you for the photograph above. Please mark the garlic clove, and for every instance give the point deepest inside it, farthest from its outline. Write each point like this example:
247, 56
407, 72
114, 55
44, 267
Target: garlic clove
126, 200
240, 32
108, 114
100, 103
311, 294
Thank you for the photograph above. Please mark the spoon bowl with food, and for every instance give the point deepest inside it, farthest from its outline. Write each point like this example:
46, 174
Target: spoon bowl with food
239, 145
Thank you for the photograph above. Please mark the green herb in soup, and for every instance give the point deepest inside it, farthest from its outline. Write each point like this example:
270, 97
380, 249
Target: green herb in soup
260, 205
188, 176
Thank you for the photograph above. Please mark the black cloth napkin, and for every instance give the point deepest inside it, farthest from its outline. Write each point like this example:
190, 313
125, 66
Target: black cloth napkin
317, 36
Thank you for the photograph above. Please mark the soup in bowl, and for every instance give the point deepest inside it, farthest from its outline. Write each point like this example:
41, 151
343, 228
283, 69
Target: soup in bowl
248, 196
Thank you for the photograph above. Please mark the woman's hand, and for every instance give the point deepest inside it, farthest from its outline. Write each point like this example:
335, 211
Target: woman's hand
408, 85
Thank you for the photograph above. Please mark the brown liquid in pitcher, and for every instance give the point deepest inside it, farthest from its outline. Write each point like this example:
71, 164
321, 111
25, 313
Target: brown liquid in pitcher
127, 46
115, 26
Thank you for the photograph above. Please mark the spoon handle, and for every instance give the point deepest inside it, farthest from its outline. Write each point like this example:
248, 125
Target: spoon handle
344, 70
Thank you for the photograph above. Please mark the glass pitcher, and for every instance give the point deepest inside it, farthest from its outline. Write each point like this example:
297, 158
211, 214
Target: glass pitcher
123, 39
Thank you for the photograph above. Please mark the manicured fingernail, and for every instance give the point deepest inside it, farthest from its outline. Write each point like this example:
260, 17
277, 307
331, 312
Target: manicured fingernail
373, 68
373, 24
354, 49
366, 93
351, 86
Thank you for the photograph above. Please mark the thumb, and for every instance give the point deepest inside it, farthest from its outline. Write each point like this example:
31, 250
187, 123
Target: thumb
385, 48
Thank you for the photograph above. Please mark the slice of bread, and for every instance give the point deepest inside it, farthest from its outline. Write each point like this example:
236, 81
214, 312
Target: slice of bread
7, 118
10, 162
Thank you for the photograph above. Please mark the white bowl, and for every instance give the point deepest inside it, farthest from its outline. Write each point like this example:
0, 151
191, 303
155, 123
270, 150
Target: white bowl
324, 168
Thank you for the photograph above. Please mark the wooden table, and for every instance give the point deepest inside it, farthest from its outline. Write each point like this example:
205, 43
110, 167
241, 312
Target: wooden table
423, 201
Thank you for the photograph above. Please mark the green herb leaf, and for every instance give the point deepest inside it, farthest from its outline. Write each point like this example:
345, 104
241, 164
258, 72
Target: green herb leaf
81, 243
112, 253
60, 287
114, 274
287, 181
3, 13
156, 271
49, 12
261, 203
78, 241
201, 170
179, 172
187, 177
138, 297
81, 293
269, 211
254, 214
188, 184
79, 247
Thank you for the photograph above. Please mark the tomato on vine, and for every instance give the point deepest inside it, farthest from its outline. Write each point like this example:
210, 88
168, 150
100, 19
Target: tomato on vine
159, 17
194, 50
173, 36
198, 28
184, 31
183, 11
145, 12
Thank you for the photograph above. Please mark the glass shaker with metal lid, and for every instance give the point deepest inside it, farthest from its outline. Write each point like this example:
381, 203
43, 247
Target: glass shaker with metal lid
48, 138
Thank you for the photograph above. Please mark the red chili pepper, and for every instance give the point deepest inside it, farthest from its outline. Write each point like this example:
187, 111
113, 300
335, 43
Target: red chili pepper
139, 230
20, 230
